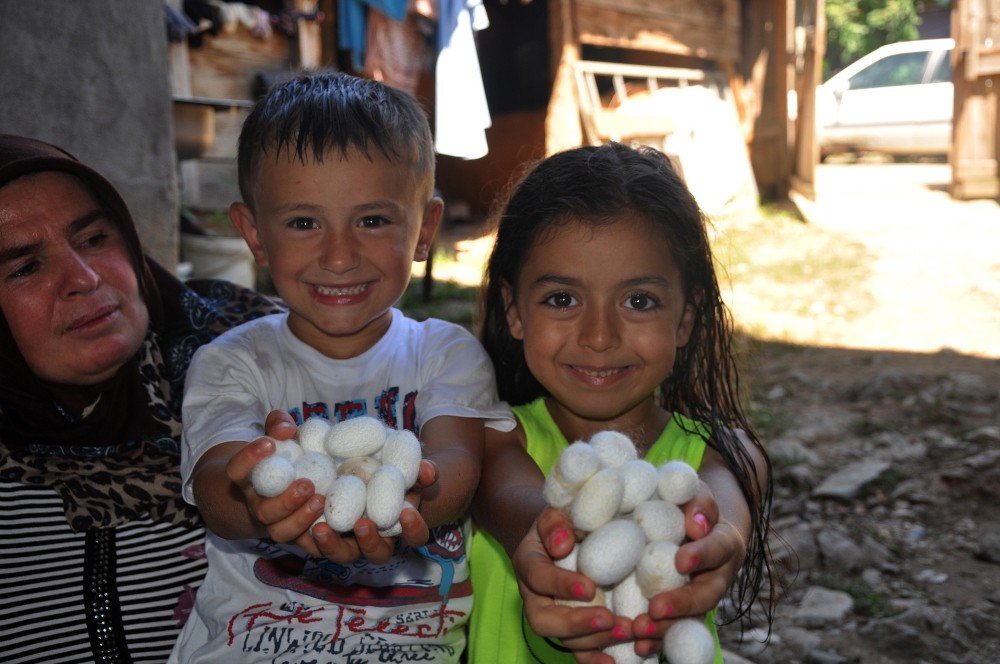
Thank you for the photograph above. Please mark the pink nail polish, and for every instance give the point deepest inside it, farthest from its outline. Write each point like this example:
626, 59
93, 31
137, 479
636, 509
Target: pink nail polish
668, 610
559, 536
620, 632
650, 629
702, 521
578, 589
596, 623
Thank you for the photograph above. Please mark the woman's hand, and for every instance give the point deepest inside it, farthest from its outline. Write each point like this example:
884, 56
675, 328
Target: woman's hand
583, 629
712, 558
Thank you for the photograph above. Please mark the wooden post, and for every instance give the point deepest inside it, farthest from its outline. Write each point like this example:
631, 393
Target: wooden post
975, 143
811, 21
562, 120
309, 37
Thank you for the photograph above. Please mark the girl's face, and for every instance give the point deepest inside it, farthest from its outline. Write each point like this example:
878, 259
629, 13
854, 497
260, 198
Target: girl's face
601, 313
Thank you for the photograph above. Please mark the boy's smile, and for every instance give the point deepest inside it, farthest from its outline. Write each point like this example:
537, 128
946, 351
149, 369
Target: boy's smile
601, 313
339, 238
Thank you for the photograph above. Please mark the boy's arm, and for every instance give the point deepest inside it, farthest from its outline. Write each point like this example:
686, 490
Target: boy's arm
509, 496
455, 446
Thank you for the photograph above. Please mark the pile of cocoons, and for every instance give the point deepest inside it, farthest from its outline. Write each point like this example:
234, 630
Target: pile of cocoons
630, 514
362, 467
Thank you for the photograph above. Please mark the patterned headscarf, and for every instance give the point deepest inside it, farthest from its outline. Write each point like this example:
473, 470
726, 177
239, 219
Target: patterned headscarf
120, 459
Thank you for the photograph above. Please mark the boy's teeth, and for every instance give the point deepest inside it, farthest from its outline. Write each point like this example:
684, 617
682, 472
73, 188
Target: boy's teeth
604, 373
353, 290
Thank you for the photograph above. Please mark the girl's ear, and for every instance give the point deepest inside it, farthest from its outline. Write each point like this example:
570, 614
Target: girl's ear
686, 325
242, 218
513, 317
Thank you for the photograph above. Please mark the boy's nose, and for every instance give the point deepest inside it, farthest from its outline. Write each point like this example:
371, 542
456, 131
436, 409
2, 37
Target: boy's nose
339, 254
599, 330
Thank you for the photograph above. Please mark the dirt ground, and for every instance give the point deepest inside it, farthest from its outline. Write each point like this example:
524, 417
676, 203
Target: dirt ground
872, 346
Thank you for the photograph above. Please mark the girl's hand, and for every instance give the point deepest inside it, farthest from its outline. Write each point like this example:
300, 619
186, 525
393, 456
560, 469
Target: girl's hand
712, 558
583, 629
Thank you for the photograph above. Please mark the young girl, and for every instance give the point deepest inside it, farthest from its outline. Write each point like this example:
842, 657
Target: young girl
602, 311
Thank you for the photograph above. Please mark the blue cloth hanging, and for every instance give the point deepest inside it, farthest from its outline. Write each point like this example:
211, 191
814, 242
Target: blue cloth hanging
352, 23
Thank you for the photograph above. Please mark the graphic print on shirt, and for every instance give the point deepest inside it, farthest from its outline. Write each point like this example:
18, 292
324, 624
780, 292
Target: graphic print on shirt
383, 407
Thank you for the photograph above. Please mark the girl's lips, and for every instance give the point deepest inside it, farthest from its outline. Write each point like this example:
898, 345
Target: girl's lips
342, 295
92, 319
599, 376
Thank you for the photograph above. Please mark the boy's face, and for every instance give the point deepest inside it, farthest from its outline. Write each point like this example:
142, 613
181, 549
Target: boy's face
339, 238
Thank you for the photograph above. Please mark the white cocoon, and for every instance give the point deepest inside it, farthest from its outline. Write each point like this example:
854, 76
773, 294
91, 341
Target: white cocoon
317, 467
657, 571
312, 433
402, 450
289, 449
345, 503
361, 467
358, 436
570, 561
660, 520
613, 448
557, 492
628, 600
577, 463
611, 552
624, 653
396, 529
598, 500
272, 475
639, 478
688, 641
678, 482
385, 496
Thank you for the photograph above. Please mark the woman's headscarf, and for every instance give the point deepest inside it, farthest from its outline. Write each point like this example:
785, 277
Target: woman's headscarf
119, 460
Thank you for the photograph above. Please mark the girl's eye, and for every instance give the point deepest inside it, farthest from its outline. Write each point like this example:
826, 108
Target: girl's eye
560, 300
95, 239
641, 302
302, 224
24, 270
373, 221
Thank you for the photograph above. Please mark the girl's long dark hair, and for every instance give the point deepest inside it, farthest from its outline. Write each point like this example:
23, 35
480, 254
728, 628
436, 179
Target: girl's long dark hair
598, 185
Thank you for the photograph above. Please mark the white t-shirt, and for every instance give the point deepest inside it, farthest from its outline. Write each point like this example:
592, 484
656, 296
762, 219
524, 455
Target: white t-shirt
268, 602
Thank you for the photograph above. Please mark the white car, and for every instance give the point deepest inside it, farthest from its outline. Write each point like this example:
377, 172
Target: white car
897, 100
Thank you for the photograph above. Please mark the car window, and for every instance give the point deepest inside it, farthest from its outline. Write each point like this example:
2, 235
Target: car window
898, 69
942, 73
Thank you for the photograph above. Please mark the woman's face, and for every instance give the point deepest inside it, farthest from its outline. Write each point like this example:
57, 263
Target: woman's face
68, 290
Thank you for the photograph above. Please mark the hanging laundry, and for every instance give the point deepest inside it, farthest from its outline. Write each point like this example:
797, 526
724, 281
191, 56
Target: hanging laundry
398, 52
461, 114
352, 24
179, 26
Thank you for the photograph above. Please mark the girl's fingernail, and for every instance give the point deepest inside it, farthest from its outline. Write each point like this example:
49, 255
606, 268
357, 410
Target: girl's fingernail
559, 536
597, 623
702, 521
620, 632
668, 610
650, 629
578, 589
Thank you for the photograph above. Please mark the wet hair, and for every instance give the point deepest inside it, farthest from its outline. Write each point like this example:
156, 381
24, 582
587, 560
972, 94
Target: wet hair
310, 116
598, 186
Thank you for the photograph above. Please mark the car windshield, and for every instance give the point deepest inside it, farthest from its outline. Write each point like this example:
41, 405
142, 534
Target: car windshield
899, 69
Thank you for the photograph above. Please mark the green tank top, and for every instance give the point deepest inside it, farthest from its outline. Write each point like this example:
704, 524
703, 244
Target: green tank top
497, 633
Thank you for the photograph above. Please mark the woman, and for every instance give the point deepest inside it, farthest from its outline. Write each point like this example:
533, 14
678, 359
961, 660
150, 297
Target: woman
99, 555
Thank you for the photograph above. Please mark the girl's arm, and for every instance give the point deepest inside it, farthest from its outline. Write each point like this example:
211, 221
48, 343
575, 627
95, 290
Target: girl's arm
509, 496
454, 445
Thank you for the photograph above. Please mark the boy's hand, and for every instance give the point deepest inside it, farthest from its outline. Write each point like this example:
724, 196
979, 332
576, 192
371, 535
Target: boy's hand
712, 558
583, 629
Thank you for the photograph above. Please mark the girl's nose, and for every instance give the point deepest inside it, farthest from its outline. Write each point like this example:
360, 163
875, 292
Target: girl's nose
340, 253
78, 276
599, 330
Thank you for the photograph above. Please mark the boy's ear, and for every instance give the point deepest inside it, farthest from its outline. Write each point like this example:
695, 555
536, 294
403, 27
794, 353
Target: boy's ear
513, 317
433, 211
242, 218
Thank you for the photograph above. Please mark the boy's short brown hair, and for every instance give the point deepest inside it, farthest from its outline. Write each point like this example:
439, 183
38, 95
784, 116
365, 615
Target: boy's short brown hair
312, 115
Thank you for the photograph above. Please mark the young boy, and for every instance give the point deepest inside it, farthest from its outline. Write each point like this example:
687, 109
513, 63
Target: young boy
336, 175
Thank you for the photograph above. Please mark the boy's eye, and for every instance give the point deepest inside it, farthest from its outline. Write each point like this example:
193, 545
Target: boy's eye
302, 223
641, 302
373, 221
560, 300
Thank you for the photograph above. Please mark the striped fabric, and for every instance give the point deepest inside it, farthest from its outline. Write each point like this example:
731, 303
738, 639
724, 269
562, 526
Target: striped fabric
42, 612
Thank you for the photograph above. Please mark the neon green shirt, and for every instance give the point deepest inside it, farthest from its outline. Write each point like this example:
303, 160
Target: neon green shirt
497, 633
